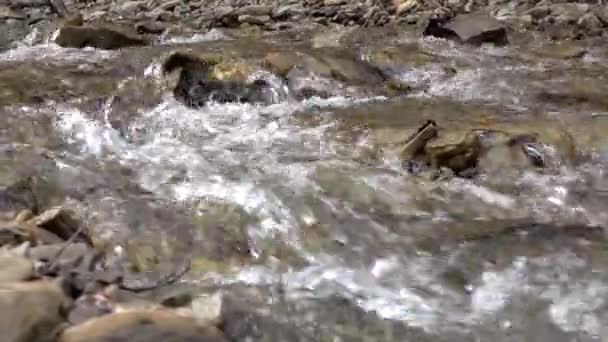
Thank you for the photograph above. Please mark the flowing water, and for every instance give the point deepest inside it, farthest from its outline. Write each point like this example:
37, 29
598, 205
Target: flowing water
344, 244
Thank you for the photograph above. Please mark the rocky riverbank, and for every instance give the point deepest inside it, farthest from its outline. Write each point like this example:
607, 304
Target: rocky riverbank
558, 20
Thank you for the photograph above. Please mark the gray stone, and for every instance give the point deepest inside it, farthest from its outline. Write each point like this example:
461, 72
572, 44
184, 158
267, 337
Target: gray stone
130, 6
254, 10
253, 20
590, 22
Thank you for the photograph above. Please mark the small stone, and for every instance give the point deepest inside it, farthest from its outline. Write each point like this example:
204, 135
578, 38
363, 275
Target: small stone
590, 22
207, 308
223, 11
334, 2
131, 6
254, 10
407, 6
253, 20
169, 5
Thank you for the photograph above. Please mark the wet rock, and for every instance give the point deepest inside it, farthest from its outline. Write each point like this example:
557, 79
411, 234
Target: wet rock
96, 37
31, 311
240, 322
474, 28
196, 85
142, 326
490, 148
457, 151
562, 50
152, 268
14, 267
222, 228
324, 72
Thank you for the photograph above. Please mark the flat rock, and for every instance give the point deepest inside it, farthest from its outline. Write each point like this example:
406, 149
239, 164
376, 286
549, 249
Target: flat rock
475, 28
30, 311
96, 37
143, 326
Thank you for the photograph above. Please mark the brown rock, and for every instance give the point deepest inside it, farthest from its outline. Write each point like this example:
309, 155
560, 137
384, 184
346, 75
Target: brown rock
97, 37
31, 311
475, 28
143, 326
74, 20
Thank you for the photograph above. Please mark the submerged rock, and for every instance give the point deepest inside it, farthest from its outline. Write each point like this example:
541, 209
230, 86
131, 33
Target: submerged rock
475, 28
325, 72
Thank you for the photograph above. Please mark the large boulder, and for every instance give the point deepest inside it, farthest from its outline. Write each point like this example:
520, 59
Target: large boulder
201, 79
143, 326
31, 311
474, 28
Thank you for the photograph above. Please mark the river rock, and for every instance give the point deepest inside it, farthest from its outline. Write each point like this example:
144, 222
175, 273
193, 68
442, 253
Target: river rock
253, 20
475, 28
198, 85
31, 311
323, 71
144, 326
254, 10
405, 6
96, 37
131, 6
14, 267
